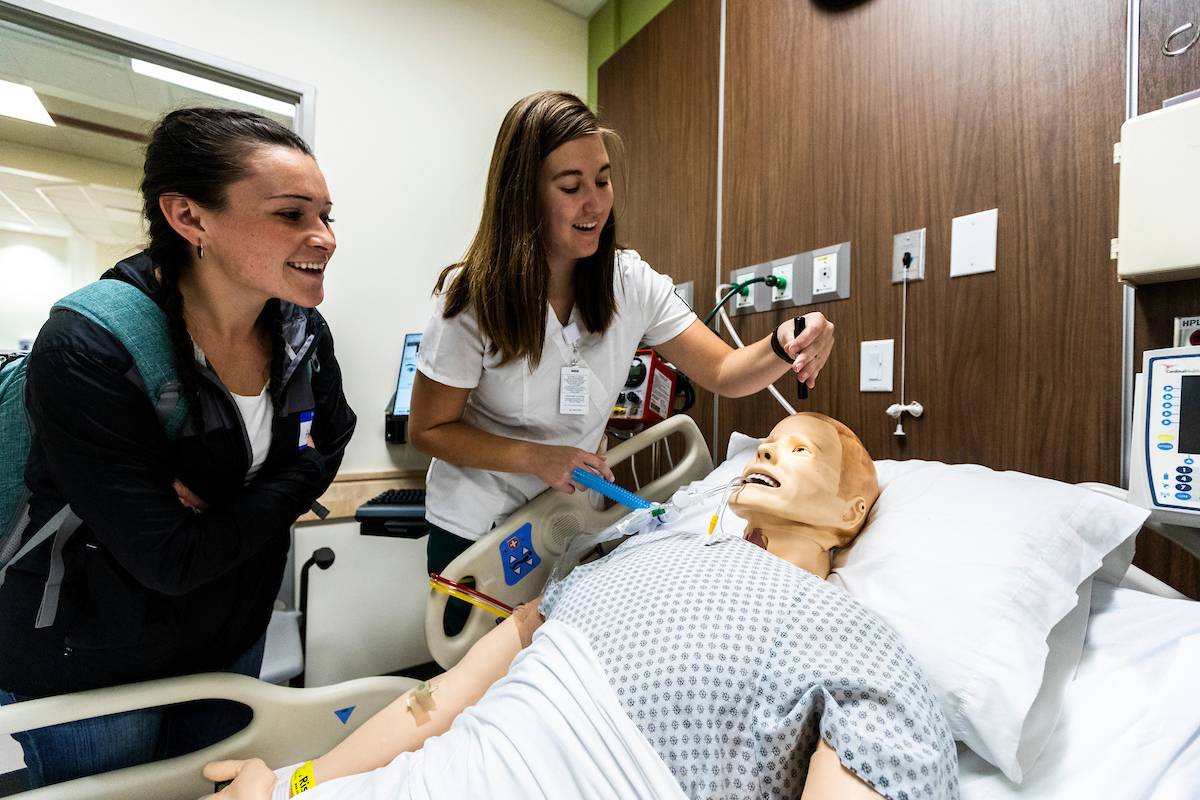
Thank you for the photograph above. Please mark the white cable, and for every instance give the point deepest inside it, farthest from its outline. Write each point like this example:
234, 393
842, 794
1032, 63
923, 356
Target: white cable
903, 333
737, 340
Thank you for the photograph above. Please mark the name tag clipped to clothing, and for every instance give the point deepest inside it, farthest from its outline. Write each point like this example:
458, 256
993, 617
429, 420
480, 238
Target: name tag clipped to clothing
573, 385
306, 420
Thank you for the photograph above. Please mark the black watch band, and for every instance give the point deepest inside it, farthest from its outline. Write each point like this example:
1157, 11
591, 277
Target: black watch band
778, 348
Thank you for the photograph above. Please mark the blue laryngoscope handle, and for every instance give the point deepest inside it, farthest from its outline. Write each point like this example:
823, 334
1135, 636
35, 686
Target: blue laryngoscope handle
608, 489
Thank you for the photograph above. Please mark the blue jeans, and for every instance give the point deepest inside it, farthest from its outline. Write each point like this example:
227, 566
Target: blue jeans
74, 749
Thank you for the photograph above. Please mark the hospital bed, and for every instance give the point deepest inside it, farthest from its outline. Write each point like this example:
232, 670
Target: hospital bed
1094, 745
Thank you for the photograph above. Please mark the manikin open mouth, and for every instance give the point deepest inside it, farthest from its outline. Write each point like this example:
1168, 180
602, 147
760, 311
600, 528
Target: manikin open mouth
309, 266
761, 480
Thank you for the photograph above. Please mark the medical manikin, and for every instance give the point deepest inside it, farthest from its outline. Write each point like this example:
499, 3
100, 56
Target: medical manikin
682, 664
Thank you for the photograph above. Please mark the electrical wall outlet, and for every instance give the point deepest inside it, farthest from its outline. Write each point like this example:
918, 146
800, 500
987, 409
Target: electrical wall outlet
825, 274
746, 299
912, 242
780, 294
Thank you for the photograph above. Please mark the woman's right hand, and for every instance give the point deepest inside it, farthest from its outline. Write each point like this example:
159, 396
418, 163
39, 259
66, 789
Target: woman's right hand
554, 464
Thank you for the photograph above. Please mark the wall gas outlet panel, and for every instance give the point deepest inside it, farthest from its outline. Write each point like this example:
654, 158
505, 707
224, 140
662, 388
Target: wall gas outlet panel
816, 276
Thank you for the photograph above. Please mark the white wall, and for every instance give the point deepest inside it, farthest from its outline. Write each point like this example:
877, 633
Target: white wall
44, 268
409, 96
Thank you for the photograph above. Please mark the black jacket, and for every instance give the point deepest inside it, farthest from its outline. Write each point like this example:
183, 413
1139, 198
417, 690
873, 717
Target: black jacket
151, 589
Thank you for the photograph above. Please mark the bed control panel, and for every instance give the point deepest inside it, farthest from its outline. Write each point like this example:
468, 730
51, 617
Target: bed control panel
1166, 453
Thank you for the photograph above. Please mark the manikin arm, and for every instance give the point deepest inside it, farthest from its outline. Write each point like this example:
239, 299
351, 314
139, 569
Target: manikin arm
829, 780
408, 721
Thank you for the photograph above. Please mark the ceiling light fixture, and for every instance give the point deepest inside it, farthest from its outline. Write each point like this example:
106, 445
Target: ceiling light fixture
195, 82
21, 102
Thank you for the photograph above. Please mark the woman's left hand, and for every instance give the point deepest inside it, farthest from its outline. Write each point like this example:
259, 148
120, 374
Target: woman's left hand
810, 350
188, 498
252, 780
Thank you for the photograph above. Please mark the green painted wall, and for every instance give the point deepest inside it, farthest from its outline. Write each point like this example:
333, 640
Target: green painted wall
612, 26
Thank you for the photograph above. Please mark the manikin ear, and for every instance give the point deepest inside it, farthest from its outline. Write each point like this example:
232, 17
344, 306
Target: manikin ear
183, 215
855, 513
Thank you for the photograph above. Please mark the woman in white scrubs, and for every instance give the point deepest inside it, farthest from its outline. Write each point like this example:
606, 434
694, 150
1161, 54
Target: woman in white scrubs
534, 331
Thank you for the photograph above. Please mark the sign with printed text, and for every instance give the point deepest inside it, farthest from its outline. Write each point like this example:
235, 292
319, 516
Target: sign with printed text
1187, 331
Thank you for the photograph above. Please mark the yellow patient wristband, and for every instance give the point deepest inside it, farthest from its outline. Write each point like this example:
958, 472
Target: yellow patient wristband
302, 779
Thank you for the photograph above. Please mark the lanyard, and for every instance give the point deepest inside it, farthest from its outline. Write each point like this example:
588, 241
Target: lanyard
571, 336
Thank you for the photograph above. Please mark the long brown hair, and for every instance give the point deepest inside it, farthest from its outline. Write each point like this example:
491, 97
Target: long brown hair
505, 279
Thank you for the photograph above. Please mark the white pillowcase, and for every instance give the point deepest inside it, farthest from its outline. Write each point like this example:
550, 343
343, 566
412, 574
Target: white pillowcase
986, 576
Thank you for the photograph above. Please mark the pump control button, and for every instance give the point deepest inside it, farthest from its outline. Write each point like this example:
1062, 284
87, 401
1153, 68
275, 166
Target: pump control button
1184, 470
1185, 479
1183, 496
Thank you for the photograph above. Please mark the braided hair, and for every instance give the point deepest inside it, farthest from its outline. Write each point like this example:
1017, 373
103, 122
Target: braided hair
198, 153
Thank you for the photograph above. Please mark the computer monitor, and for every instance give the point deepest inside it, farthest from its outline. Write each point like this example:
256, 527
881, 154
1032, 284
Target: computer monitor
396, 417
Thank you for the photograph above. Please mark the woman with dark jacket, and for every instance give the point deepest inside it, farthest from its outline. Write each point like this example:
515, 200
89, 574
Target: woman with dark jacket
182, 542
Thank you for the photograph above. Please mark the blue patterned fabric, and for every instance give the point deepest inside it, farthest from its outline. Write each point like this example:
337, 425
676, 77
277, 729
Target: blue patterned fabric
732, 662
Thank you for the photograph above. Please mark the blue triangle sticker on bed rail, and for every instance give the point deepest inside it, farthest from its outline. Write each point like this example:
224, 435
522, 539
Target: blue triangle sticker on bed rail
344, 713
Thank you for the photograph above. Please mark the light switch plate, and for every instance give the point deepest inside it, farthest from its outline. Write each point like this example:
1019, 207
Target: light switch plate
875, 365
973, 243
910, 242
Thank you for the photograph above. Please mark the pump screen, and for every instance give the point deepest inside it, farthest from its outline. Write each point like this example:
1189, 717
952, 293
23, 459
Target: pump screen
408, 371
1189, 415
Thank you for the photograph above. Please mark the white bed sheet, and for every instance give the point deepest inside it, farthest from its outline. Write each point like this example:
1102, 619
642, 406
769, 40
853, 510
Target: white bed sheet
1130, 727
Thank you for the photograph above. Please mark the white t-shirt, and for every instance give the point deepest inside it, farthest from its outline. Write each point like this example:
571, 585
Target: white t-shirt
513, 402
256, 417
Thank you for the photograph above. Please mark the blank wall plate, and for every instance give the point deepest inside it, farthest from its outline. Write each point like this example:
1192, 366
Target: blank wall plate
910, 242
973, 243
875, 366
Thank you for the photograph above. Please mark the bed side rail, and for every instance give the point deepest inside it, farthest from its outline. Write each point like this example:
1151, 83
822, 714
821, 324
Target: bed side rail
549, 521
289, 725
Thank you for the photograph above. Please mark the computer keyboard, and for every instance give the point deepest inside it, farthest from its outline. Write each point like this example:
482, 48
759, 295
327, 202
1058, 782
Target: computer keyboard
398, 497
395, 512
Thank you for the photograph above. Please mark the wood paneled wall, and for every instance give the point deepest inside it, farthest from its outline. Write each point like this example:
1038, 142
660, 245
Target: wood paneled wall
661, 98
890, 115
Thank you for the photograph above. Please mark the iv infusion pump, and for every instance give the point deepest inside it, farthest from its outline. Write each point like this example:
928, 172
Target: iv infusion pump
1165, 449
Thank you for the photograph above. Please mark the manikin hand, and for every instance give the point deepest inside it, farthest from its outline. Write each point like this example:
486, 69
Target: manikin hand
252, 780
810, 350
554, 466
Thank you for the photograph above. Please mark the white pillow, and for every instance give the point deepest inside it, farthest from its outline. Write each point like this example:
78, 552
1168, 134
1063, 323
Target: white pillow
987, 577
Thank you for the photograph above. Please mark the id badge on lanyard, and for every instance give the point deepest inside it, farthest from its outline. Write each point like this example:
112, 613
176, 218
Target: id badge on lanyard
573, 385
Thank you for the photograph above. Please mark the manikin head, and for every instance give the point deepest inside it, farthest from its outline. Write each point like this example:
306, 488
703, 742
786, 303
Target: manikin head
807, 491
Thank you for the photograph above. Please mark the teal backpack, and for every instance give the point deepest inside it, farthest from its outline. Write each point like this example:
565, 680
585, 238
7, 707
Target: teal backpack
141, 327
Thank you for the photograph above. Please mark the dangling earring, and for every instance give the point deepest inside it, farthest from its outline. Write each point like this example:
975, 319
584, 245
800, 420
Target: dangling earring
199, 251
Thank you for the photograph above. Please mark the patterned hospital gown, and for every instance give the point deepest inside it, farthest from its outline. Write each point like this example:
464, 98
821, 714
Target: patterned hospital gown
731, 662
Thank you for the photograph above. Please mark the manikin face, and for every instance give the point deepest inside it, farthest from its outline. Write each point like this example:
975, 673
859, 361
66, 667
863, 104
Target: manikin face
576, 198
791, 487
273, 236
